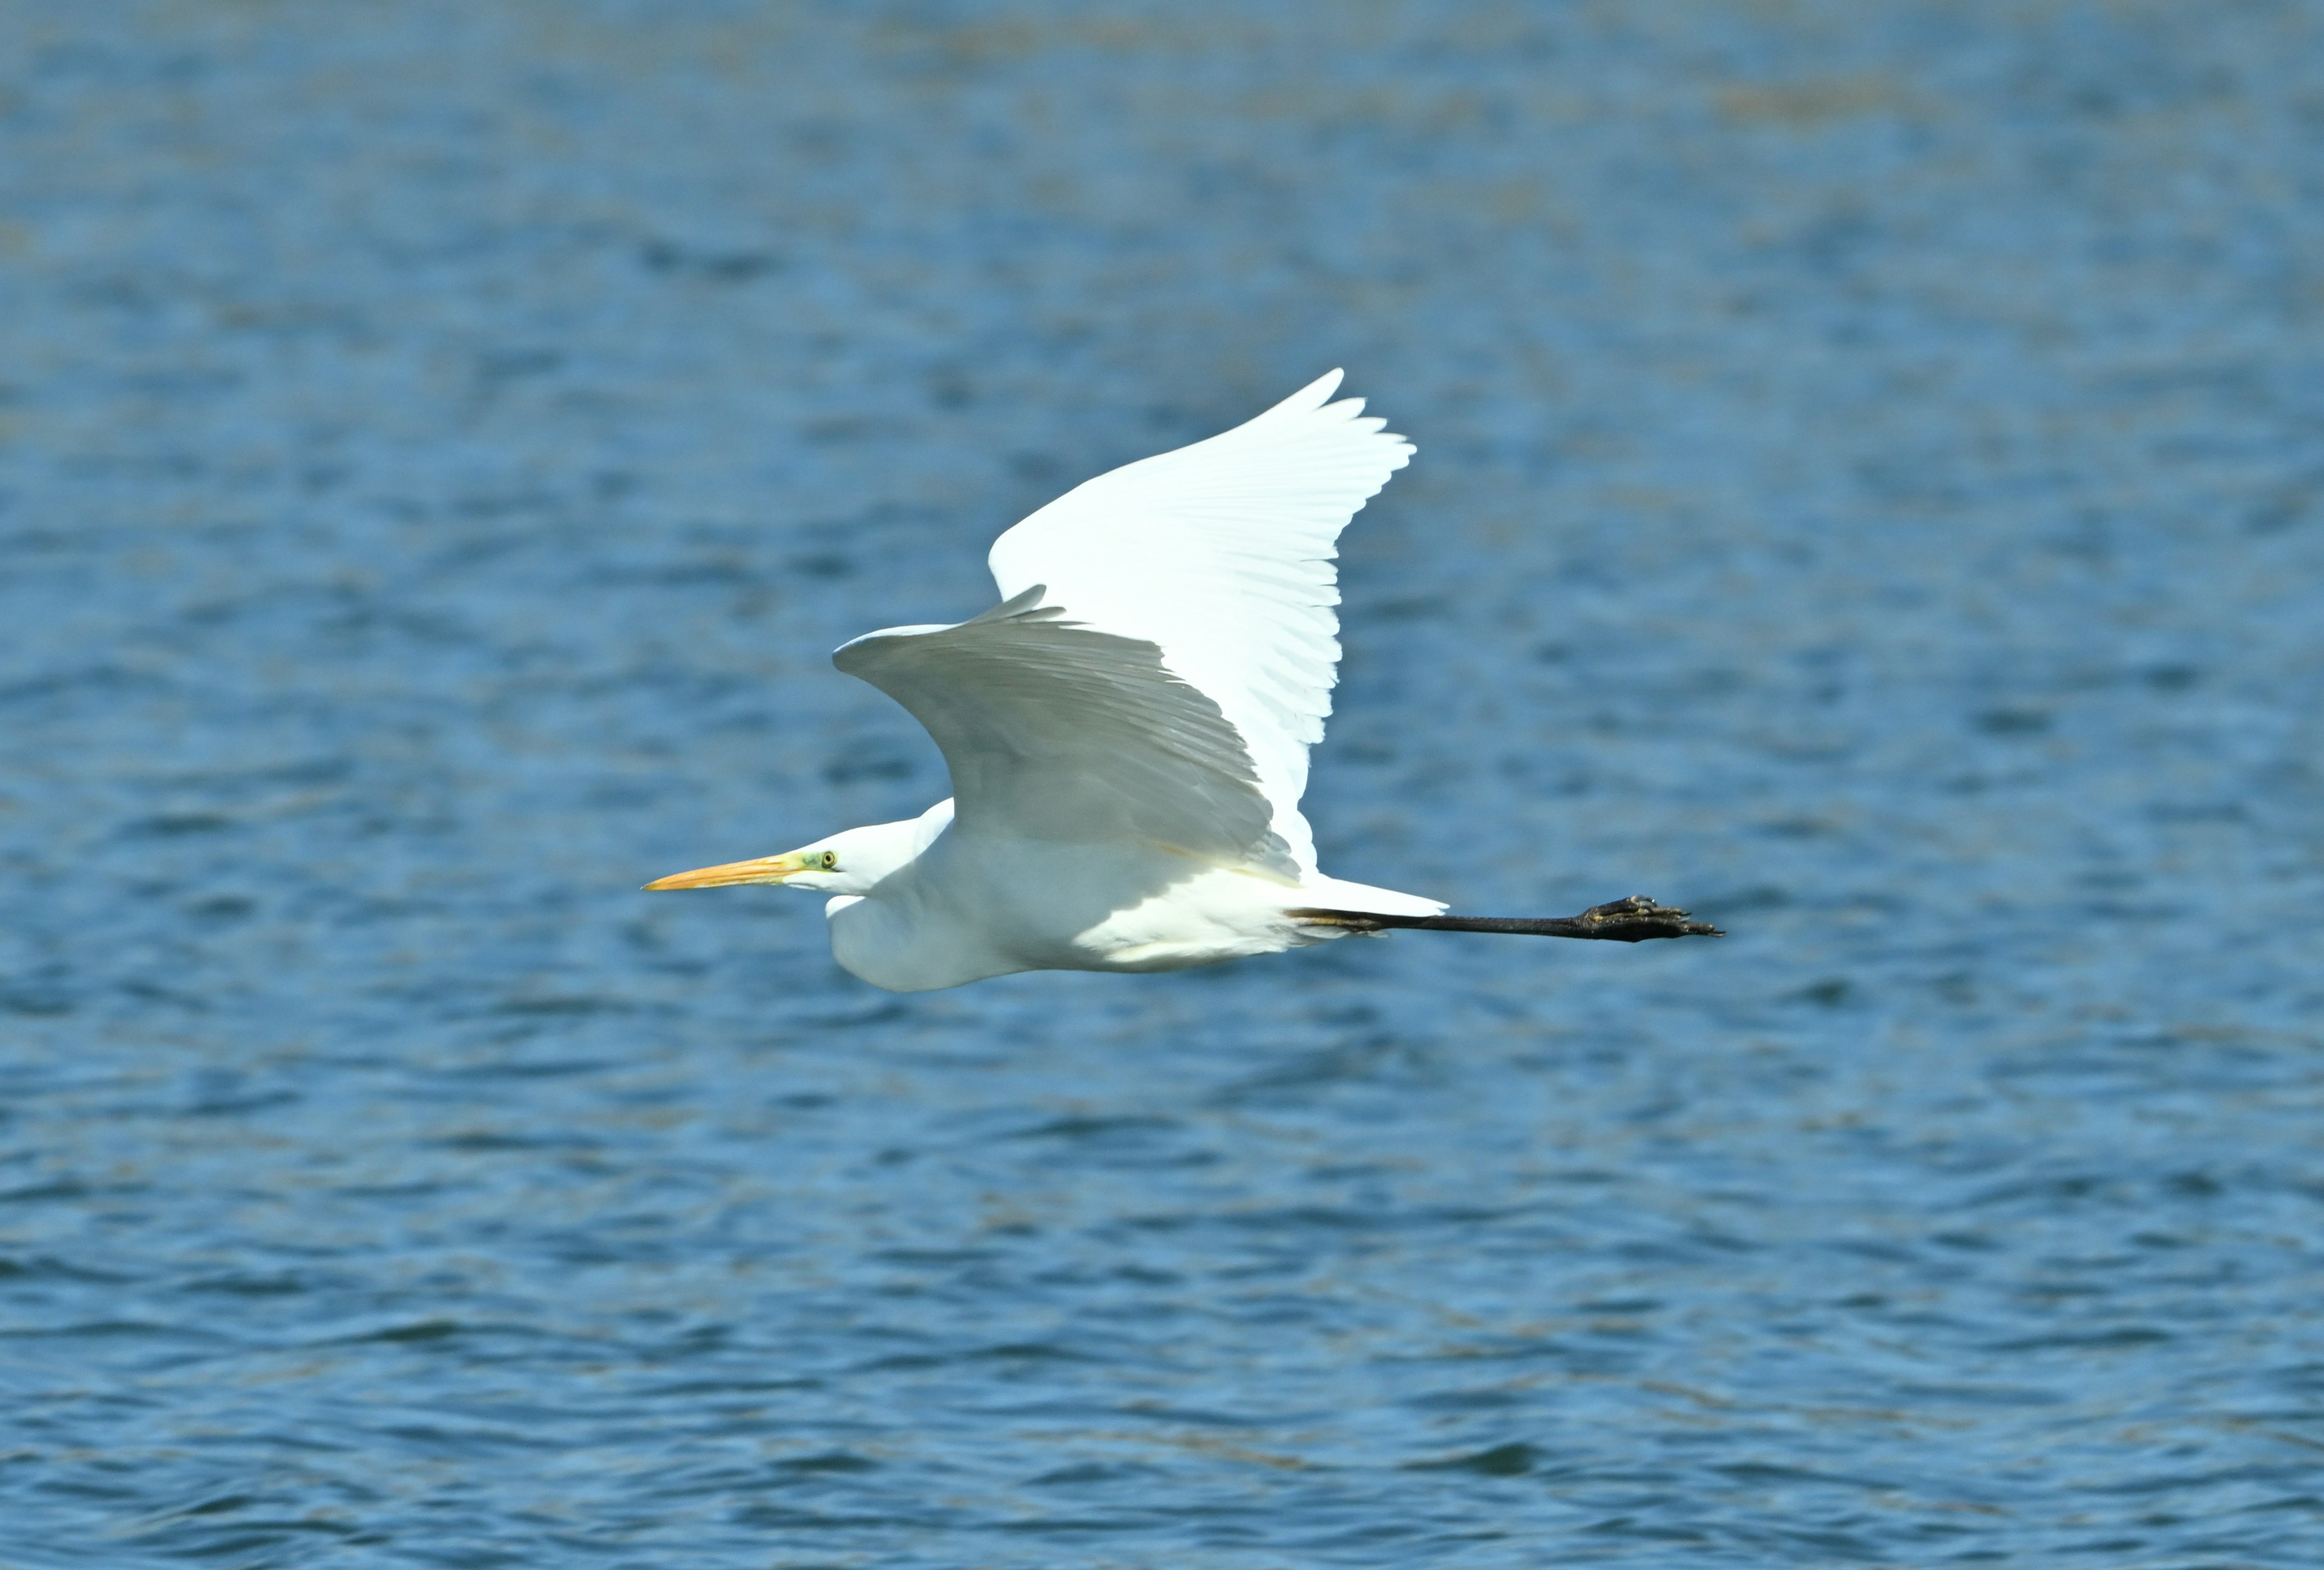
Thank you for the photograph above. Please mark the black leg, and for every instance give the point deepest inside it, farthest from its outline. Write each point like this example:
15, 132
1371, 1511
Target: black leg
1631, 920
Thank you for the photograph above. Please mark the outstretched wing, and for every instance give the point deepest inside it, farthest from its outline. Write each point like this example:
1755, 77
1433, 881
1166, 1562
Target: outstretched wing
1058, 732
1220, 556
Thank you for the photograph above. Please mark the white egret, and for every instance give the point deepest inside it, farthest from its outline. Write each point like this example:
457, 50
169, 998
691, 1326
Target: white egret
1128, 732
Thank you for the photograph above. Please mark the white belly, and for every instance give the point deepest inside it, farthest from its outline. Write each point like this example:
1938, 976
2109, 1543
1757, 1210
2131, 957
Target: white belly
966, 911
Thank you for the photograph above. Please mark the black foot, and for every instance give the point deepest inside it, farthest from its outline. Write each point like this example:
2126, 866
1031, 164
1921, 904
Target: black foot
1637, 918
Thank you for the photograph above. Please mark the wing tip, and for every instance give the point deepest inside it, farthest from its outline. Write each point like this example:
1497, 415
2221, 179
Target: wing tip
1315, 398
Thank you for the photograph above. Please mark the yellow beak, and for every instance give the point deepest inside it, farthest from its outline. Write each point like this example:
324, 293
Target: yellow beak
764, 870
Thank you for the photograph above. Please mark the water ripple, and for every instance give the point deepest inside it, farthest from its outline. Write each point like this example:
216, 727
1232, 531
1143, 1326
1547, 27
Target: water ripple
1867, 494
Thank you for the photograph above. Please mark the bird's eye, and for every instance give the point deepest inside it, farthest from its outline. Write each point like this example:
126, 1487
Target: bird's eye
830, 860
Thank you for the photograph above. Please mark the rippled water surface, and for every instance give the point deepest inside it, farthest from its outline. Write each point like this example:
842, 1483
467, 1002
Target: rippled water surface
1871, 490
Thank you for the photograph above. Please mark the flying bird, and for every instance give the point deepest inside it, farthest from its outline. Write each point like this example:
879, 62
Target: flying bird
1127, 732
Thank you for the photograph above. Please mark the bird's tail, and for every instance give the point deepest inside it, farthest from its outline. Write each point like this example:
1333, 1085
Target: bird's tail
1362, 900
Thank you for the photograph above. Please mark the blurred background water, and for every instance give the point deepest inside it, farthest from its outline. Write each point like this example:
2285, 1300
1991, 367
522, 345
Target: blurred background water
1869, 491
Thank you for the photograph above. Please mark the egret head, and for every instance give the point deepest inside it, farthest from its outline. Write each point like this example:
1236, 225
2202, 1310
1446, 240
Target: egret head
847, 863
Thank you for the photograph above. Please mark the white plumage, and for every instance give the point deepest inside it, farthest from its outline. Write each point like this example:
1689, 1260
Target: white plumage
1220, 554
1128, 730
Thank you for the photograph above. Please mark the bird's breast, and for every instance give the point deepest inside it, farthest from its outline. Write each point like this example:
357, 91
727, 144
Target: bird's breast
896, 939
968, 910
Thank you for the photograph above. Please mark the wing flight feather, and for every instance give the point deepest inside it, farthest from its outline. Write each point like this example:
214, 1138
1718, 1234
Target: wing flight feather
1058, 731
1221, 555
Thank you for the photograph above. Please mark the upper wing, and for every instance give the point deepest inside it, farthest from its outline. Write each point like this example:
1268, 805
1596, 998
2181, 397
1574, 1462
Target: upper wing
1055, 731
1221, 555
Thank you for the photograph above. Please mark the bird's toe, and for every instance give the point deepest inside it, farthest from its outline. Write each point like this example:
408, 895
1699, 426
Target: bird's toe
1638, 919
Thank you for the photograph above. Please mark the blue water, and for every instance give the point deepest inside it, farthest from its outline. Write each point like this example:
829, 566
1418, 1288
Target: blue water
1870, 491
